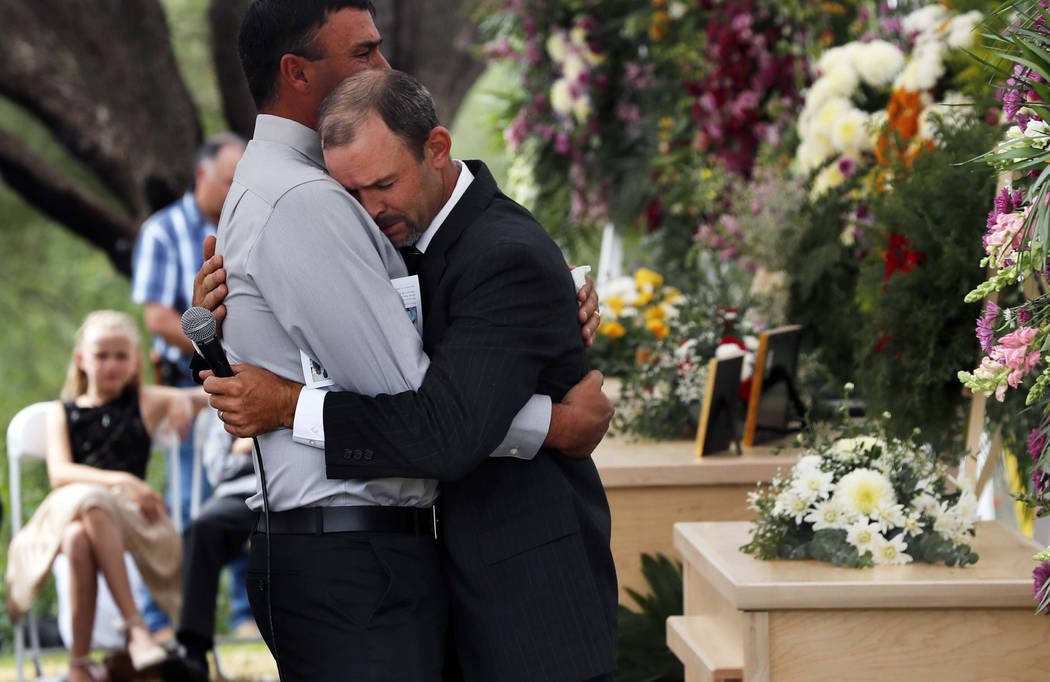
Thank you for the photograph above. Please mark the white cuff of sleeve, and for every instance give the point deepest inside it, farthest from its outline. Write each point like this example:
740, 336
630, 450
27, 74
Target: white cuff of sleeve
308, 427
528, 430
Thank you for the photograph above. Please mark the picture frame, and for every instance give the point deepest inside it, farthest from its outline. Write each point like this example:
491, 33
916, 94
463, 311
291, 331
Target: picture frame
718, 414
774, 393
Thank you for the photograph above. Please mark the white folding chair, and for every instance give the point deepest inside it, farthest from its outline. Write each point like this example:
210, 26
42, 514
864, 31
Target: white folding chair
27, 439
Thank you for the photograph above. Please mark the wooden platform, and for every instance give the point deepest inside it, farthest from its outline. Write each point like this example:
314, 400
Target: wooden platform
806, 620
653, 484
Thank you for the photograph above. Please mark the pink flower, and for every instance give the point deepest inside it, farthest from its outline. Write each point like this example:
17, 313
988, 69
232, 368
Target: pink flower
1013, 352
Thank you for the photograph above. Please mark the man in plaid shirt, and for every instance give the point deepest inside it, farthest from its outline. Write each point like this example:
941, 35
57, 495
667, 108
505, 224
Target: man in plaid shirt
169, 252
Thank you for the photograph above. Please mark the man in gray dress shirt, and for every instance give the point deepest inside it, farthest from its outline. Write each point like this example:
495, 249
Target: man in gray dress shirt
356, 590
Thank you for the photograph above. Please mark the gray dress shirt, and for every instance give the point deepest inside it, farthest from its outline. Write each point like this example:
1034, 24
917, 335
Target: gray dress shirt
308, 270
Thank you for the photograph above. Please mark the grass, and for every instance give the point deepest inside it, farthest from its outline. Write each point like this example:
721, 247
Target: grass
242, 661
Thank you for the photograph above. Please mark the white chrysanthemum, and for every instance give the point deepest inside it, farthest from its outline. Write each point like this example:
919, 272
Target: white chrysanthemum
927, 504
922, 71
925, 20
848, 236
813, 484
811, 153
826, 180
961, 29
840, 81
861, 491
834, 109
913, 523
628, 312
807, 462
521, 182
878, 63
892, 552
863, 536
621, 287
790, 505
557, 47
849, 133
888, 515
1038, 133
561, 97
825, 514
677, 10
837, 56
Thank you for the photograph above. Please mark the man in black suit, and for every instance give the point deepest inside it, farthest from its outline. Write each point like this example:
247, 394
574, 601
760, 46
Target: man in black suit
527, 560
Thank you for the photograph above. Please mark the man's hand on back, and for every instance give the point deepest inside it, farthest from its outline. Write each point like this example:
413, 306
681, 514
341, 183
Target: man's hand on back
589, 320
209, 286
253, 401
580, 421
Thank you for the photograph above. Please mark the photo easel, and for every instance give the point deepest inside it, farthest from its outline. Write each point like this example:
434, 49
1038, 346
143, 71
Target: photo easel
717, 429
775, 364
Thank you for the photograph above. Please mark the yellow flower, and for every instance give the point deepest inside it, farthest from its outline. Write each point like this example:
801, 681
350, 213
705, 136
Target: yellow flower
658, 328
645, 297
706, 174
615, 304
672, 295
612, 329
644, 276
653, 312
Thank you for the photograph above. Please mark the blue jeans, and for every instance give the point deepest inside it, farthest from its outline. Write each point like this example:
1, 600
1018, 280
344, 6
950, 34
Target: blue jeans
240, 608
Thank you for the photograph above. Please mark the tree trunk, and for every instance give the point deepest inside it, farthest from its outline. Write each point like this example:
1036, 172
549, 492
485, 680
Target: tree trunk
224, 18
432, 40
54, 195
102, 76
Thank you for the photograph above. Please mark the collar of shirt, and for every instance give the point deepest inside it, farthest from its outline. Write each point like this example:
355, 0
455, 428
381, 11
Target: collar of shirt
306, 141
462, 183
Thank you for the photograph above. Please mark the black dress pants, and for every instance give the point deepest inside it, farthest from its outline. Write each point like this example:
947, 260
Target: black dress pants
360, 607
212, 540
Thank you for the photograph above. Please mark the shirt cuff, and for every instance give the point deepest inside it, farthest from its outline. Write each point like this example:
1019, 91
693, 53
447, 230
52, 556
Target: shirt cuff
308, 427
528, 430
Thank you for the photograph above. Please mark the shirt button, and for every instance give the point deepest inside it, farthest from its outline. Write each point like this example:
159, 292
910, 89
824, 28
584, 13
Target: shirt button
313, 443
314, 430
514, 451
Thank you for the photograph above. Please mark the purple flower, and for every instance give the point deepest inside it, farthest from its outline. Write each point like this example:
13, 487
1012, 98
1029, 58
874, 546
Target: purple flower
847, 165
986, 328
1024, 315
1040, 575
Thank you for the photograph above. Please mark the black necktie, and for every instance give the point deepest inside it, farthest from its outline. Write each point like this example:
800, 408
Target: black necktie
412, 257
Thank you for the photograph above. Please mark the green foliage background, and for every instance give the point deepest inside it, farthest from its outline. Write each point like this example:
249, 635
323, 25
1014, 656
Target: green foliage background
931, 331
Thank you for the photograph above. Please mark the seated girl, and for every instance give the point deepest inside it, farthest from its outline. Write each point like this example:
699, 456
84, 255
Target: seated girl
98, 444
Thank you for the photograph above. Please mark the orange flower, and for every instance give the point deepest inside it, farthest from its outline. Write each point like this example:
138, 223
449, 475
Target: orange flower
658, 25
903, 111
658, 328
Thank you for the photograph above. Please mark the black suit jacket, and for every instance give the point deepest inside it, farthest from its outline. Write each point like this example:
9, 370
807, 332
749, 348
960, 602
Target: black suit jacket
527, 542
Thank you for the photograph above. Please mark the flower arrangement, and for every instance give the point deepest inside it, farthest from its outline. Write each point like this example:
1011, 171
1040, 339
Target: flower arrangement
859, 497
635, 311
662, 394
618, 97
874, 100
1014, 327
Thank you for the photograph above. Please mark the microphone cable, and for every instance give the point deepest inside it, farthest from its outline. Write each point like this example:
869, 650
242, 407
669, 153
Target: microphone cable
269, 581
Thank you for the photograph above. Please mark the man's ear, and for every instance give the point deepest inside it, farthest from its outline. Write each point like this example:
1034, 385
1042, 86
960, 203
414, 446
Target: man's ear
438, 147
296, 73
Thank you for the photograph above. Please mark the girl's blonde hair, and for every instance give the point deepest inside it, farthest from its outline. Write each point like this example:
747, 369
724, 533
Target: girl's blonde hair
113, 320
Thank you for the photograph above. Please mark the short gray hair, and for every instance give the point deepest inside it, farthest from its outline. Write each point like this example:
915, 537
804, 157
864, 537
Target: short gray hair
405, 106
207, 152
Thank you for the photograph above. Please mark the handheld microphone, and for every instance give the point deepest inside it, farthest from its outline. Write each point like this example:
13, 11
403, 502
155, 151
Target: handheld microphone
199, 325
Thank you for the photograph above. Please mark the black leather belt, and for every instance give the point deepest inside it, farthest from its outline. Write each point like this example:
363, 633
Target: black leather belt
315, 520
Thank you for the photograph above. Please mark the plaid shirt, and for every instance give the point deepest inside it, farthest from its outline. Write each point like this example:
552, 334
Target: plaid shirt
168, 254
